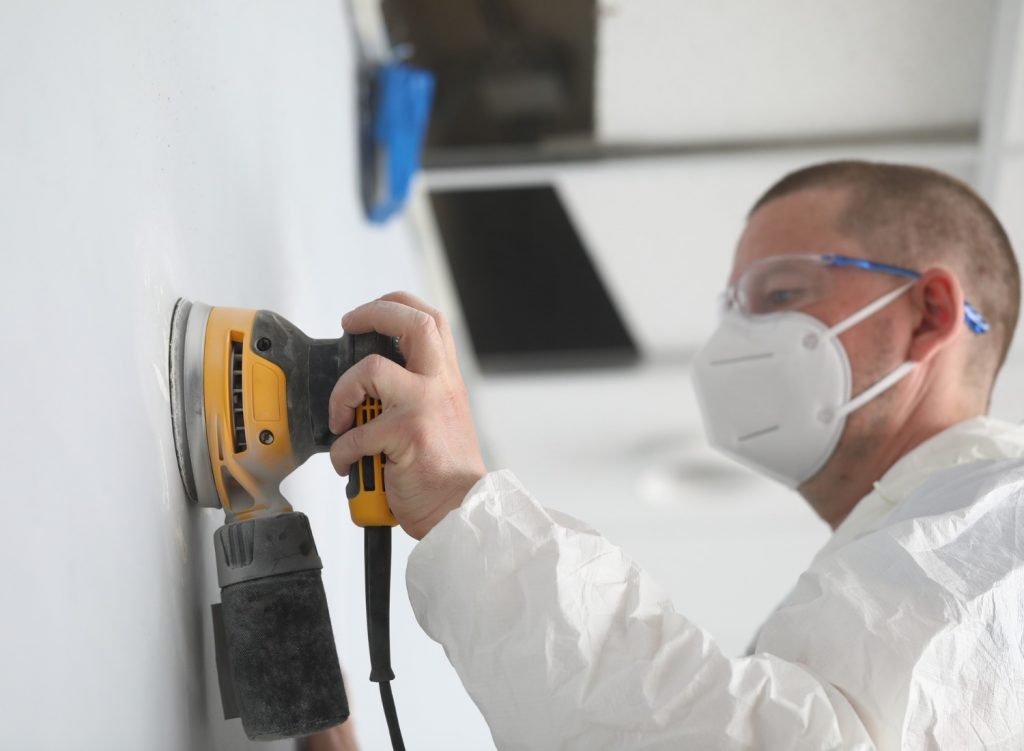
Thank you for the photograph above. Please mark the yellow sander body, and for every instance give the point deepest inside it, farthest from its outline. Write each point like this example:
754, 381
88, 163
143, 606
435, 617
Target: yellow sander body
234, 390
246, 418
249, 397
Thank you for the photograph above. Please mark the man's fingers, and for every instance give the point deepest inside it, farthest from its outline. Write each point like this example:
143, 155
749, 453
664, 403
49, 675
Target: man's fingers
369, 439
408, 298
375, 377
443, 328
419, 337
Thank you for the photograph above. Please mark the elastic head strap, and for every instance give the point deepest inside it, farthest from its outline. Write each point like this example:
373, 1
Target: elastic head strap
870, 309
871, 392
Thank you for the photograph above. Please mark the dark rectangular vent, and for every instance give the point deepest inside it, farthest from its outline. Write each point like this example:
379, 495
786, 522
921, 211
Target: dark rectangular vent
237, 403
530, 293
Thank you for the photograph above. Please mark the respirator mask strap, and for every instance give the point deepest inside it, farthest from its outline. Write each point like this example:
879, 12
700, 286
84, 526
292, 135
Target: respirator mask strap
868, 310
893, 377
872, 391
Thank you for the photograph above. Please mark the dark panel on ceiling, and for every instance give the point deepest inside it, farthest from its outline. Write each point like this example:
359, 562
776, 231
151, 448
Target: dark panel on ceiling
509, 71
530, 294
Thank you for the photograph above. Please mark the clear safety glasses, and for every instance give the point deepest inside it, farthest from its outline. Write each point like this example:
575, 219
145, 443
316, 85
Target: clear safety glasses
781, 283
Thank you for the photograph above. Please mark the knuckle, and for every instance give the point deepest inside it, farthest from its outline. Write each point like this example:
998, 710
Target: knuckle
425, 323
337, 391
345, 383
373, 365
355, 442
338, 461
375, 310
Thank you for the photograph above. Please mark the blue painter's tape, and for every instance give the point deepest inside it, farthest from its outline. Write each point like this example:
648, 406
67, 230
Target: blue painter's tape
403, 100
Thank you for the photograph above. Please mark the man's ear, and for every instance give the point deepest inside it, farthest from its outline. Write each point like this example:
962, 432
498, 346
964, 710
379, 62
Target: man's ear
938, 301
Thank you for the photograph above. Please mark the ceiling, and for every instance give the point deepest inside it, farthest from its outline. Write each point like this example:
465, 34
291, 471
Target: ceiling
713, 71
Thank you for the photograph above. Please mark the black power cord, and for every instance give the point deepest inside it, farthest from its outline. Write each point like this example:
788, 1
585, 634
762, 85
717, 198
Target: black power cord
377, 565
388, 700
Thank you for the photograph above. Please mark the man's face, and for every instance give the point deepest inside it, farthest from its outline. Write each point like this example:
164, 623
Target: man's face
805, 223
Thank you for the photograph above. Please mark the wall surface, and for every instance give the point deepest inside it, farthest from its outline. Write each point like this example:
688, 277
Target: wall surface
151, 150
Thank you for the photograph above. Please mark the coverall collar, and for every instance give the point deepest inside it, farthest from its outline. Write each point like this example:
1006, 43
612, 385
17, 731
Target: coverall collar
973, 440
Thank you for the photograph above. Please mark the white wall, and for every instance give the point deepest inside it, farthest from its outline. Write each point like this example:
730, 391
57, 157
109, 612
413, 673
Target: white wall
150, 150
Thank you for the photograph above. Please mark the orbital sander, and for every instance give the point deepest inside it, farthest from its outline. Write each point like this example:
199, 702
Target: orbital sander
249, 399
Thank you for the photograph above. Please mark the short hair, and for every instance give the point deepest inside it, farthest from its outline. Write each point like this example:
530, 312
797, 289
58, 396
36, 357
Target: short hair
914, 216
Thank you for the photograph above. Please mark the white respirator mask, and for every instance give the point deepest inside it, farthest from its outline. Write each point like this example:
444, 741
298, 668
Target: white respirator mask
774, 389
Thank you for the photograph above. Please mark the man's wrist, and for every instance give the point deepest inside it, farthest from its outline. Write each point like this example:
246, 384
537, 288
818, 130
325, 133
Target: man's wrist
460, 490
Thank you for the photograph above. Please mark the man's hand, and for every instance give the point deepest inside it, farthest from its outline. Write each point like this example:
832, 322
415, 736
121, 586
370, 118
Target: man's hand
425, 428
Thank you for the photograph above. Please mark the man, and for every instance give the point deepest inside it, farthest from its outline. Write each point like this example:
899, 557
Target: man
870, 308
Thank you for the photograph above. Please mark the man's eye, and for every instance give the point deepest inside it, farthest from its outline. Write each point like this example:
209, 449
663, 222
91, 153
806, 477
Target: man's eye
783, 297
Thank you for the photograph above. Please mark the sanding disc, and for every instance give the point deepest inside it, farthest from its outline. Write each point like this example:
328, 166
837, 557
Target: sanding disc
188, 412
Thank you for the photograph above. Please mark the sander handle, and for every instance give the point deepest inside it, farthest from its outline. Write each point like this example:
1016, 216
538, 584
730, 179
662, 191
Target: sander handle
367, 494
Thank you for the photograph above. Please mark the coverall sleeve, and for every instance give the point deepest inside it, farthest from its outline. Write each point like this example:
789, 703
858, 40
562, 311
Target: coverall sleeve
564, 643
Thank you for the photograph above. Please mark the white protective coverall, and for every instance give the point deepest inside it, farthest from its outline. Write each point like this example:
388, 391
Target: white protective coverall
905, 632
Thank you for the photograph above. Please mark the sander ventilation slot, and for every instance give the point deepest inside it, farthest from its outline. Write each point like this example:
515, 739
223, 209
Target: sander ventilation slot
237, 413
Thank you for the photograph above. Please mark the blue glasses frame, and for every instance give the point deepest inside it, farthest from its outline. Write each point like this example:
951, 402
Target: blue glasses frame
972, 316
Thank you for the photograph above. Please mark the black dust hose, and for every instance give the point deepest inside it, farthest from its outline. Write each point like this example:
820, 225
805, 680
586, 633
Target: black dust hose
377, 562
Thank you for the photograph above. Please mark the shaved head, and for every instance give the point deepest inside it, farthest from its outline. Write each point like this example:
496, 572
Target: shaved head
918, 218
